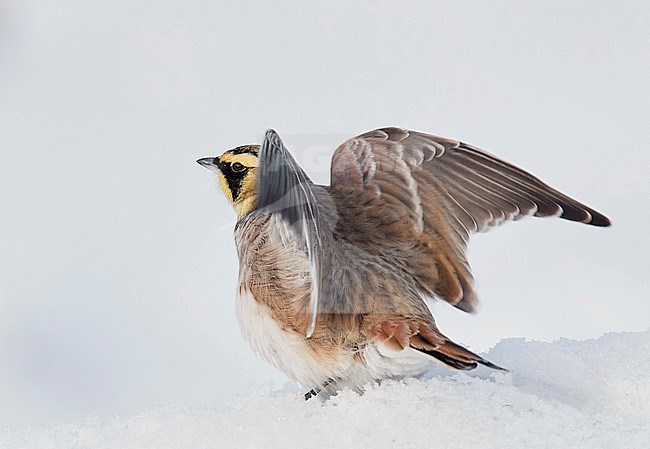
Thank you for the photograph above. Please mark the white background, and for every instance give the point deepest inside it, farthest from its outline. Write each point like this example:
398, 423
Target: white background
117, 267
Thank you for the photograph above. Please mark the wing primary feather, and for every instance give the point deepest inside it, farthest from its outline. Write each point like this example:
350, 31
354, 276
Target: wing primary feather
540, 195
570, 209
501, 196
498, 208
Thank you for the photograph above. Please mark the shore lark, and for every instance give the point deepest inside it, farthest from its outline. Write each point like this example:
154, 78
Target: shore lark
333, 279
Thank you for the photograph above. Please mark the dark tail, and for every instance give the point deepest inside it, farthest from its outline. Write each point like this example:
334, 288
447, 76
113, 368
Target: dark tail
440, 347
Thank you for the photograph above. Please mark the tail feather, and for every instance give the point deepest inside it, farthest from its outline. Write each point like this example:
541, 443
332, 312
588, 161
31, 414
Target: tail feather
449, 353
426, 338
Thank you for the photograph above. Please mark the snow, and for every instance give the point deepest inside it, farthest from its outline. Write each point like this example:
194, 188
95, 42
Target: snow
565, 394
118, 270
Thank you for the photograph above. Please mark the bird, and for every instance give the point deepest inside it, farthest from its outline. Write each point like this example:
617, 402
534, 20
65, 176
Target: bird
334, 280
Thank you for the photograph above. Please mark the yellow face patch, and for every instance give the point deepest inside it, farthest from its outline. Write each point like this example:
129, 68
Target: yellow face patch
237, 179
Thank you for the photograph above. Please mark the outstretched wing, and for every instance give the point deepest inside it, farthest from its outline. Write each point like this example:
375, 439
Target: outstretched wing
444, 190
283, 188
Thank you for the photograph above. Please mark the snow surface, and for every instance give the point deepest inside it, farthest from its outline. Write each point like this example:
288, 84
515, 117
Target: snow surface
565, 394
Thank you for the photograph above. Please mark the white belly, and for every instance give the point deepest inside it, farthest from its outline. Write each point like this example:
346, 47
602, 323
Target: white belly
290, 353
284, 349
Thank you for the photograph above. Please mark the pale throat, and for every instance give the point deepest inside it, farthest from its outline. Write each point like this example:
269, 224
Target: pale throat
246, 199
244, 205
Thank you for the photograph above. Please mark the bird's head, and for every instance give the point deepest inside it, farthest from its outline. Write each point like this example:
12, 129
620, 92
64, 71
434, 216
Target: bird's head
236, 169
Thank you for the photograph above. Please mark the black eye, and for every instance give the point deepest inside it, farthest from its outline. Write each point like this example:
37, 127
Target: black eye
237, 167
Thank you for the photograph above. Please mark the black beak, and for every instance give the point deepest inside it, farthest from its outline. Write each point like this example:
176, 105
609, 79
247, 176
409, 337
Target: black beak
211, 163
